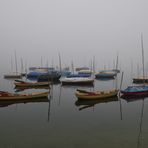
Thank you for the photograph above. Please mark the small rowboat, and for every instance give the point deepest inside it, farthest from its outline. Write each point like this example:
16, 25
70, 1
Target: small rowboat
87, 95
20, 83
13, 96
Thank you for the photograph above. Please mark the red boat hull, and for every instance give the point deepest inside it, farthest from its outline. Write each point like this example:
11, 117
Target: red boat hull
135, 93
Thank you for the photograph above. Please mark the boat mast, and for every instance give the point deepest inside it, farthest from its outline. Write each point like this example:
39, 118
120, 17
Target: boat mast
41, 62
15, 62
94, 65
11, 64
117, 62
138, 70
60, 65
142, 56
72, 67
22, 66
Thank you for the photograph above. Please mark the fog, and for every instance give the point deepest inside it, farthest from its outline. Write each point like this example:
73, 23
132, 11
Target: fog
75, 29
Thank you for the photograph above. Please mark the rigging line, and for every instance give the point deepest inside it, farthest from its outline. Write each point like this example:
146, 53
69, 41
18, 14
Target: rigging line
142, 57
121, 116
60, 94
140, 128
49, 108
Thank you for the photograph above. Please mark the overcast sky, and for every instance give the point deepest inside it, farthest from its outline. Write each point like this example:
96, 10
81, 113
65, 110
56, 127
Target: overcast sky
77, 29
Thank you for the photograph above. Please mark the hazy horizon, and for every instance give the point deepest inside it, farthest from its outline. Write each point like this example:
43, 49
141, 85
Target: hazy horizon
77, 29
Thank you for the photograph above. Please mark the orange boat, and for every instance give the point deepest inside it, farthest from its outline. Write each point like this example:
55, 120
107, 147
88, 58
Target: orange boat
90, 95
24, 96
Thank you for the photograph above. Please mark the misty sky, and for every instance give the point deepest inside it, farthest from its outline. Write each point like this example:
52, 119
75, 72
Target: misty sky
77, 29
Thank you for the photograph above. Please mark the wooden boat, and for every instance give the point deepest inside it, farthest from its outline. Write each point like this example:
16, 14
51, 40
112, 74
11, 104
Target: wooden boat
77, 81
88, 95
135, 91
13, 96
20, 83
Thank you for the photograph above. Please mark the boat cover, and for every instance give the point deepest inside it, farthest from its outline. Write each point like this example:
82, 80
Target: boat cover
136, 88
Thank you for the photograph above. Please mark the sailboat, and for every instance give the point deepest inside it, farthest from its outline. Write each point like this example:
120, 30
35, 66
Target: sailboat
137, 90
111, 74
141, 79
14, 75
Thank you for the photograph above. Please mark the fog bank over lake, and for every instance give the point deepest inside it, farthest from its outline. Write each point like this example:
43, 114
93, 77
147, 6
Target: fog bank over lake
77, 29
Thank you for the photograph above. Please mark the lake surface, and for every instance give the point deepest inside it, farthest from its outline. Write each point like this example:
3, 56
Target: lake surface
63, 122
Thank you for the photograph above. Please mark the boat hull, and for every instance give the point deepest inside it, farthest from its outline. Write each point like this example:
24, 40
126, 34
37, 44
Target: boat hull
140, 80
135, 91
12, 76
142, 93
96, 95
23, 96
103, 75
28, 84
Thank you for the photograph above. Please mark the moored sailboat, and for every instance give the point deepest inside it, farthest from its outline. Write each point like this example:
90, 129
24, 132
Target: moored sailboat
137, 90
13, 75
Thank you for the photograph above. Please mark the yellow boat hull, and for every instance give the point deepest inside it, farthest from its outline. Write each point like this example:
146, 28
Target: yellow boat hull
96, 95
11, 96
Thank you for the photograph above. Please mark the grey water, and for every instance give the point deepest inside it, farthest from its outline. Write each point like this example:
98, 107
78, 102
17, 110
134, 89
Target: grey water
64, 122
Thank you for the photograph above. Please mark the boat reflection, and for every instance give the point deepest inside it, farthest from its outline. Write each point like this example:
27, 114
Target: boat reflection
83, 104
78, 86
138, 98
105, 79
11, 102
134, 98
19, 89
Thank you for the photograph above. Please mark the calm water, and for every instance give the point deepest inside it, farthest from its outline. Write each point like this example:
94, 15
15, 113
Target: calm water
65, 123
